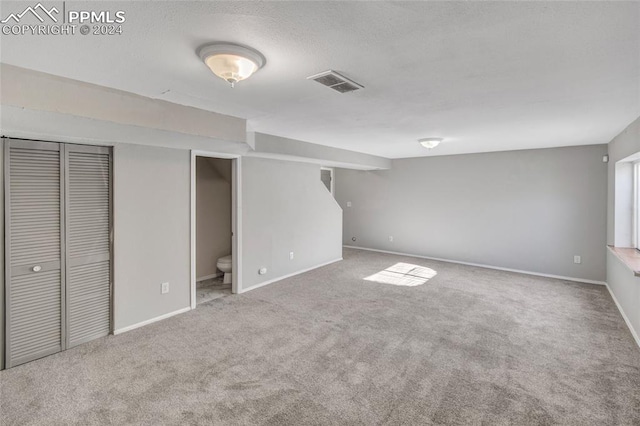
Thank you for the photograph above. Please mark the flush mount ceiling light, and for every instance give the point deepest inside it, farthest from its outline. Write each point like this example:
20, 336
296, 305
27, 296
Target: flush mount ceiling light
231, 62
430, 143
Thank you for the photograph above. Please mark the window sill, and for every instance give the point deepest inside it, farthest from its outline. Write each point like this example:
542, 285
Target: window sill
629, 256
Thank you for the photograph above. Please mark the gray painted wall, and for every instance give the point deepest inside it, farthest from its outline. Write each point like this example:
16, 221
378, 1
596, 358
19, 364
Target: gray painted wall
527, 210
151, 225
622, 282
286, 208
213, 213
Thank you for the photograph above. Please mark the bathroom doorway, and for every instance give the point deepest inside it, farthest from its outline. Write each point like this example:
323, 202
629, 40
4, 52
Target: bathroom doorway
214, 260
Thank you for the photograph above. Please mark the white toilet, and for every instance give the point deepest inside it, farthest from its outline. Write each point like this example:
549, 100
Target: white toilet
225, 264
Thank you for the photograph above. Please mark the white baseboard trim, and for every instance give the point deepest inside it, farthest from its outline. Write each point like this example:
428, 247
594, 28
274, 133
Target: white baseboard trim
150, 321
624, 316
480, 265
207, 277
302, 271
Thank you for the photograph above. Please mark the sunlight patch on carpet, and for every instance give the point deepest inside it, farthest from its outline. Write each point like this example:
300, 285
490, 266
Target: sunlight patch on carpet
403, 274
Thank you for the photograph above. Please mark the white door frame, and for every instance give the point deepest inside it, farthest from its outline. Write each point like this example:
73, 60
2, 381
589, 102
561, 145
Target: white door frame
236, 219
332, 178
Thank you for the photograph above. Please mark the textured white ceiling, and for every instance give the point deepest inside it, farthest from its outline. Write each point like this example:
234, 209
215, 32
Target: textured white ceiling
485, 76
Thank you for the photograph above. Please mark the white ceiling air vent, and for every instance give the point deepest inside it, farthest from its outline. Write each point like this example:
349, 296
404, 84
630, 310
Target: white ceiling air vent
335, 81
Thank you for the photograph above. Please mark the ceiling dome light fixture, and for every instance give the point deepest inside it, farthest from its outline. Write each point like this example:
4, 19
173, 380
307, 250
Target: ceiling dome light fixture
430, 143
231, 62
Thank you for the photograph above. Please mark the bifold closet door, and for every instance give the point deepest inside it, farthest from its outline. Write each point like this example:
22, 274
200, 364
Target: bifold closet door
57, 247
34, 263
88, 243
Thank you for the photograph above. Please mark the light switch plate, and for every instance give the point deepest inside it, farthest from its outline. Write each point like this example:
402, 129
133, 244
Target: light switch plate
165, 288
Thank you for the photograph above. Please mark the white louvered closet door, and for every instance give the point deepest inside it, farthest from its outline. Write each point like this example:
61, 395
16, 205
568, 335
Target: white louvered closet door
34, 267
57, 247
88, 257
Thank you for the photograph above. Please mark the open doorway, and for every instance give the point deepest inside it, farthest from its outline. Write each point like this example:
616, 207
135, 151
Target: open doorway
214, 223
213, 228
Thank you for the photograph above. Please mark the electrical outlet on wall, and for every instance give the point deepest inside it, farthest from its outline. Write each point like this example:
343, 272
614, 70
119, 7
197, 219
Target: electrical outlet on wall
577, 259
348, 203
164, 288
390, 239
290, 255
262, 271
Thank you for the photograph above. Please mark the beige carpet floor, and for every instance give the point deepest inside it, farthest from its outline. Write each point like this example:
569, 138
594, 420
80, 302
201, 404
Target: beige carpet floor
374, 339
